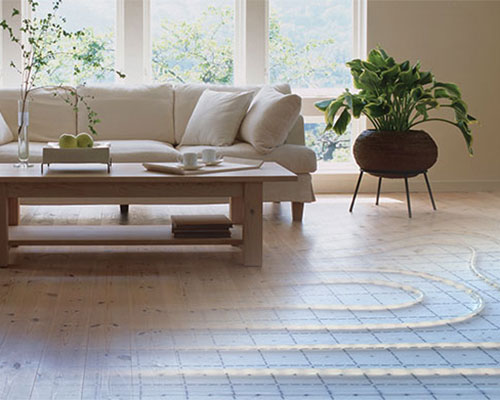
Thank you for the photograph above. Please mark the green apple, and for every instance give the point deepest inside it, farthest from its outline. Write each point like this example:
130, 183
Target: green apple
67, 141
84, 140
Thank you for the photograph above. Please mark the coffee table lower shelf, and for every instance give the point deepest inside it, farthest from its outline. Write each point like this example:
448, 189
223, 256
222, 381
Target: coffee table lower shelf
109, 235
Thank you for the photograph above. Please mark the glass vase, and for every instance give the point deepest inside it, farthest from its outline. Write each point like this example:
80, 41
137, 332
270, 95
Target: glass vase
23, 145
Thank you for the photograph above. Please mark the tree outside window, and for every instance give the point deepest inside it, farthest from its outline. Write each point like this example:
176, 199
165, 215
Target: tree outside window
94, 58
307, 51
309, 43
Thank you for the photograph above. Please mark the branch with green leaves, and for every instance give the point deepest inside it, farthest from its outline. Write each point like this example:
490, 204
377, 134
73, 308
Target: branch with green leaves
40, 45
395, 97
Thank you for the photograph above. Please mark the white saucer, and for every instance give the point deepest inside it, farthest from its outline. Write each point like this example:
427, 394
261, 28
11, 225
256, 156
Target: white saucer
214, 163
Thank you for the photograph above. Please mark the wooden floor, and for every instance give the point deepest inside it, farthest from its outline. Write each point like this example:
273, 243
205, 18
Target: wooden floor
73, 320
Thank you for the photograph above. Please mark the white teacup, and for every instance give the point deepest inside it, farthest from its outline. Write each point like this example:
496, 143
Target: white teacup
209, 156
190, 160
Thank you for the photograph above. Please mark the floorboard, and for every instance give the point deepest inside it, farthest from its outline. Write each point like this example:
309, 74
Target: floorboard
325, 317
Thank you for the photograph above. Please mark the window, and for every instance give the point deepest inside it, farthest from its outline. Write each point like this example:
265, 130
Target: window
328, 146
309, 44
96, 18
193, 41
305, 43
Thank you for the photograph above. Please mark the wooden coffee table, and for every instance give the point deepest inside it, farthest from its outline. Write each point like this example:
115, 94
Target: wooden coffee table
243, 188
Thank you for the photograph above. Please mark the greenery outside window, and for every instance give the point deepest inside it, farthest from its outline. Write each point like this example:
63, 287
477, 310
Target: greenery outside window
193, 41
309, 44
305, 43
97, 19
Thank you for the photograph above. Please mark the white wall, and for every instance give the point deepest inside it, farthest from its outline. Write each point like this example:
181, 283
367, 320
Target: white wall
458, 41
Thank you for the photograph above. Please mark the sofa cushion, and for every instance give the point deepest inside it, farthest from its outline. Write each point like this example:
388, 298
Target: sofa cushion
216, 118
5, 133
50, 114
142, 150
270, 118
298, 159
187, 96
8, 152
121, 151
142, 112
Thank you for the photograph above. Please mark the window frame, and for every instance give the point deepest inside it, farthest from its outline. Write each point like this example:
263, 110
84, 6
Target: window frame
133, 53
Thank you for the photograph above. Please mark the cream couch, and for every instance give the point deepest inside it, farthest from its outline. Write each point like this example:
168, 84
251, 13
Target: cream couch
146, 123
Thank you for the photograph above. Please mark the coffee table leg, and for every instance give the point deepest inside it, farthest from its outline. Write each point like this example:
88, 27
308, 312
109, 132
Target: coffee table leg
4, 231
236, 210
252, 225
14, 211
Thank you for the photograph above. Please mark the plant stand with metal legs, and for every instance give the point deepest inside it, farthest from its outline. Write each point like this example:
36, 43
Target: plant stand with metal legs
397, 175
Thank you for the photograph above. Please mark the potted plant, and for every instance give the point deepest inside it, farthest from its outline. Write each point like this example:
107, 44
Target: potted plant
396, 98
38, 45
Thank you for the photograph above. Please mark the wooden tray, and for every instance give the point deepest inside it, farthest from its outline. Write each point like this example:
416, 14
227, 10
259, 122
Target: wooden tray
228, 165
99, 154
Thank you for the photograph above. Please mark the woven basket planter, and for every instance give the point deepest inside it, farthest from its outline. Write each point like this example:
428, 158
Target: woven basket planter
392, 154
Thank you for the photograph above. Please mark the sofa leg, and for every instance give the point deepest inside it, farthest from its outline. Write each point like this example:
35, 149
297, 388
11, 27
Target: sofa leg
297, 211
124, 209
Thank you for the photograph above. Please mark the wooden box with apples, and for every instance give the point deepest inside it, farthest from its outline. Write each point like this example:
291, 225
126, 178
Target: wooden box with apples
79, 149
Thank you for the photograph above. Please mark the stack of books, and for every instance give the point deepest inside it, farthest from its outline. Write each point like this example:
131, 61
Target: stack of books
201, 226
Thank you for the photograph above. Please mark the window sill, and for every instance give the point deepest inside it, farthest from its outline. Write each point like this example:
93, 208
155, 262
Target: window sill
334, 177
336, 168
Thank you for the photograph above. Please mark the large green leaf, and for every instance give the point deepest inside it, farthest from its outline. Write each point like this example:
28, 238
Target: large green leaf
471, 119
356, 82
355, 65
409, 78
377, 110
341, 125
416, 67
467, 134
417, 93
369, 66
400, 89
390, 74
333, 108
440, 93
323, 104
430, 103
422, 110
382, 52
426, 78
460, 109
404, 66
357, 106
369, 80
451, 88
376, 58
354, 103
390, 62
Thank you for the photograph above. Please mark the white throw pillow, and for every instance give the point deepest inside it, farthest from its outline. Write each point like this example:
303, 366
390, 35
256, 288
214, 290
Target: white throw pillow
270, 118
216, 118
5, 133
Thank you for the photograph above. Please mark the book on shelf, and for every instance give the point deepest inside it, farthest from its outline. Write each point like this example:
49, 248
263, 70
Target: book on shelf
203, 234
197, 222
201, 226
